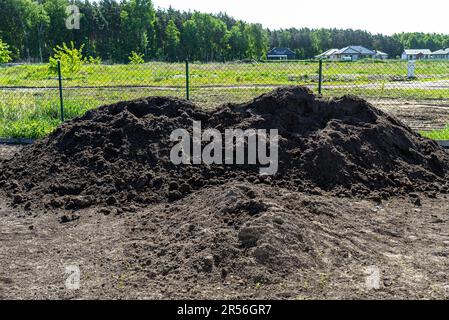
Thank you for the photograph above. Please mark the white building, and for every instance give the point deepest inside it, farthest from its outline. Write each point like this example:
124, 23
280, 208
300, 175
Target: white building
442, 54
416, 54
380, 55
329, 54
352, 53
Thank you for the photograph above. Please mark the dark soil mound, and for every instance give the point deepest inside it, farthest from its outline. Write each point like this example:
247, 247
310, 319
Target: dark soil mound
121, 153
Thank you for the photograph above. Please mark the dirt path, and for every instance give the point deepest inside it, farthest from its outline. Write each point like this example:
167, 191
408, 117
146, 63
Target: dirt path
396, 85
419, 115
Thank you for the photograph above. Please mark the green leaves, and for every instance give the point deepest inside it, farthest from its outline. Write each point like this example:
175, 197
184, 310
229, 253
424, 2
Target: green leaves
172, 36
136, 58
71, 59
110, 29
5, 54
95, 61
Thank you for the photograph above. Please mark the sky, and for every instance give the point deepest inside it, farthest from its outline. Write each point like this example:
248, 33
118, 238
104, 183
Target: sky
376, 16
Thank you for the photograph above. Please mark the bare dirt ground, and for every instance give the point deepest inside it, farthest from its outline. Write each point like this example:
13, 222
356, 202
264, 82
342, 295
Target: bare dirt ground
419, 115
332, 248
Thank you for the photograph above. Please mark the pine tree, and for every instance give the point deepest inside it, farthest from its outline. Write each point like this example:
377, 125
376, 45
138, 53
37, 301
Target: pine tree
172, 38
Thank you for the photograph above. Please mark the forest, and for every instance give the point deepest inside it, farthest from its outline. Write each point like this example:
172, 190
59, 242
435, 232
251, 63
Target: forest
111, 30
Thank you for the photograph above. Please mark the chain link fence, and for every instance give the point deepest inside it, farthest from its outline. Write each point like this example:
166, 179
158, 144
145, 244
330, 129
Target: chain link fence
30, 104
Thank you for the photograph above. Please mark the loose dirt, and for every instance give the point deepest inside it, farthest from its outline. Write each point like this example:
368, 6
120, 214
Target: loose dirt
208, 246
357, 210
120, 154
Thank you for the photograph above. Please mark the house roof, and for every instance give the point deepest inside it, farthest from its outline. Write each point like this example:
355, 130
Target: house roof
441, 52
280, 52
349, 50
355, 50
380, 53
328, 53
417, 51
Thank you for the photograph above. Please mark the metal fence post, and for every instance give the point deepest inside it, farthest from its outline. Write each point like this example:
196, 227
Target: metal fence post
320, 76
187, 80
60, 91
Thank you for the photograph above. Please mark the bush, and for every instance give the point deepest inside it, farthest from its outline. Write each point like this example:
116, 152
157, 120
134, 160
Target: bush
92, 60
5, 54
71, 58
136, 58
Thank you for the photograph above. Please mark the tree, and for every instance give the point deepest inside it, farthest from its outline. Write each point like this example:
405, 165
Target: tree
218, 33
39, 21
189, 39
172, 37
106, 37
57, 31
18, 22
321, 40
111, 28
137, 22
238, 43
257, 38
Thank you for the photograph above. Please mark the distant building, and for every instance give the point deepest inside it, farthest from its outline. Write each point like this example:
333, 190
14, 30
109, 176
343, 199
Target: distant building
281, 54
442, 54
416, 54
329, 54
380, 55
350, 53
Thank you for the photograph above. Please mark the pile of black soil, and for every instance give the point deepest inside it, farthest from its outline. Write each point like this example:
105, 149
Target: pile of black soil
120, 153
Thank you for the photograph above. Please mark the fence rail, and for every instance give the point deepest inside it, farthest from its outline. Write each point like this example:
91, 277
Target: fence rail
33, 100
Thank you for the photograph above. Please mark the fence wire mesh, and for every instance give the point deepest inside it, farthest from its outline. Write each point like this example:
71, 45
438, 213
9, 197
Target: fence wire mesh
29, 93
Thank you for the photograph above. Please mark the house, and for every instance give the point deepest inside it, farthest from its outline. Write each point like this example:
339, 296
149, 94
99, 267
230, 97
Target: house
442, 54
281, 54
416, 54
349, 53
329, 54
354, 53
380, 55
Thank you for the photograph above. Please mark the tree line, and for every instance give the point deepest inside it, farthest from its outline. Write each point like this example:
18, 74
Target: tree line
111, 30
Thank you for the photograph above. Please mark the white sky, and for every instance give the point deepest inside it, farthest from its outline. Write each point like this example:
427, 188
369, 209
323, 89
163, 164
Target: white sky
377, 16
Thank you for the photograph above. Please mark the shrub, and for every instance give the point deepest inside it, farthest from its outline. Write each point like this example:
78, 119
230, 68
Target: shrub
136, 58
92, 60
71, 58
5, 54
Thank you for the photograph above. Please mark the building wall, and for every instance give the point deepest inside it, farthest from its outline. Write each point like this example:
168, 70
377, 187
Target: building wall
354, 57
416, 57
281, 57
440, 57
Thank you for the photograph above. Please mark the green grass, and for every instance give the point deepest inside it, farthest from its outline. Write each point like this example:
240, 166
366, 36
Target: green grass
29, 100
172, 74
442, 134
34, 114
